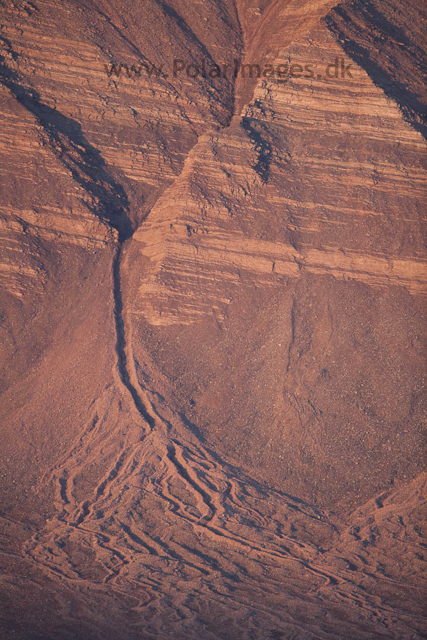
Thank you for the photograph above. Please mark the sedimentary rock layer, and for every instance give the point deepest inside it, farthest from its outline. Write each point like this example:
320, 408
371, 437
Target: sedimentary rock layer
213, 308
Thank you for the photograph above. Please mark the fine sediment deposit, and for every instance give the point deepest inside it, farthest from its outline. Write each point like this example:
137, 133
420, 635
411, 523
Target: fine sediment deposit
213, 320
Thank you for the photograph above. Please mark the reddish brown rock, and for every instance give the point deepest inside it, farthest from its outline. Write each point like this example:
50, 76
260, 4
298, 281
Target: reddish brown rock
213, 314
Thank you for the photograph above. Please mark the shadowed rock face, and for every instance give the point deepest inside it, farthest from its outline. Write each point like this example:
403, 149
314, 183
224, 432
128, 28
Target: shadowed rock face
213, 318
387, 39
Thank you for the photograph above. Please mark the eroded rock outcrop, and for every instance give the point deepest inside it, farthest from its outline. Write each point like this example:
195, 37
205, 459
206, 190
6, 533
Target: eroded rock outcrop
214, 319
297, 208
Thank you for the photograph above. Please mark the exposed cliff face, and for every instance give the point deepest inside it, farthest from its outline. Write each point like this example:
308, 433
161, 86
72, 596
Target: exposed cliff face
268, 27
84, 156
387, 39
325, 263
214, 318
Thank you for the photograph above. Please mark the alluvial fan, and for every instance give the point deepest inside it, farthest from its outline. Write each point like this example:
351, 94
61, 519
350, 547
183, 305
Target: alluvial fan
213, 317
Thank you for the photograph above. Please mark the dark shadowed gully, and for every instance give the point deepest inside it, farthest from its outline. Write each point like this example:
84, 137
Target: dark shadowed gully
213, 317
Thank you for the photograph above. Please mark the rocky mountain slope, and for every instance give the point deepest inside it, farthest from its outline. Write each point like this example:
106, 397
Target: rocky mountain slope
213, 318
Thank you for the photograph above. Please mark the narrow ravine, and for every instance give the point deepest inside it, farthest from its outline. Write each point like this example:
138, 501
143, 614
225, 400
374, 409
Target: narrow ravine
146, 518
122, 359
68, 143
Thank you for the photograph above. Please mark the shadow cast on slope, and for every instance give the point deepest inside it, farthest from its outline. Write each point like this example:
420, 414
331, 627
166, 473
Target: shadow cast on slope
109, 200
381, 33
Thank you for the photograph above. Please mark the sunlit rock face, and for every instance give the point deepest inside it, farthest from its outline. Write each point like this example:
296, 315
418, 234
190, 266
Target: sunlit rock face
284, 278
214, 278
